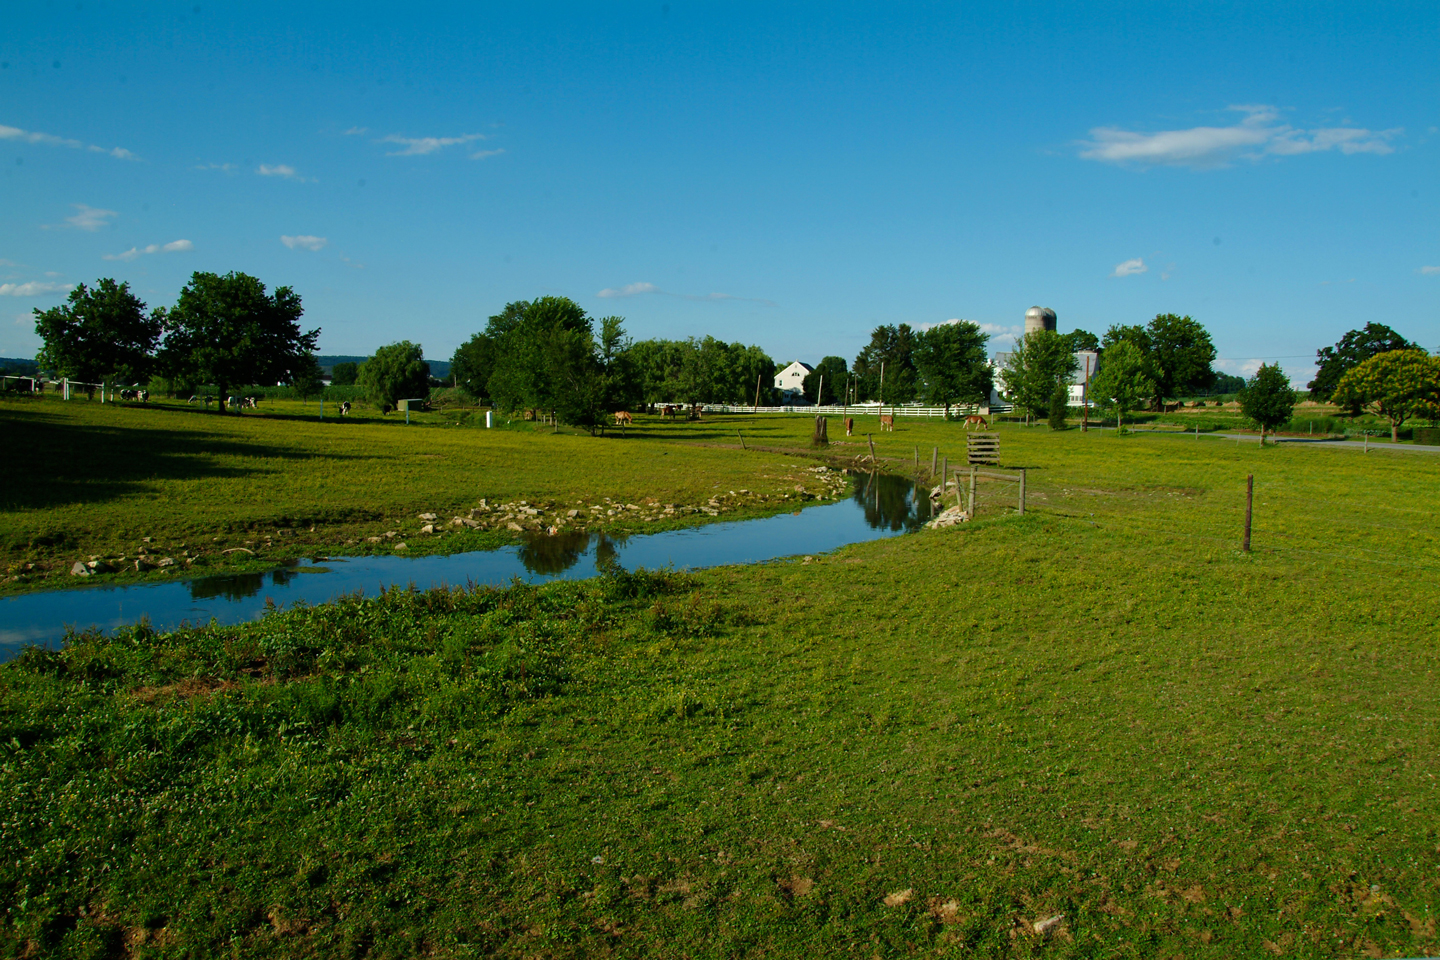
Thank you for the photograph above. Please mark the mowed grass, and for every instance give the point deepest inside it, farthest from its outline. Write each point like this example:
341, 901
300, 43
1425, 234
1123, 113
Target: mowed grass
84, 479
1102, 712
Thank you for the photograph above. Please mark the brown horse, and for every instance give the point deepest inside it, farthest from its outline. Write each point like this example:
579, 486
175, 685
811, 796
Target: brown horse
887, 422
623, 419
975, 420
849, 425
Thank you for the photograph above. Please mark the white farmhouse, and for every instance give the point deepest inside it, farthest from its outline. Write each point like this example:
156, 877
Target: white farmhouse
791, 381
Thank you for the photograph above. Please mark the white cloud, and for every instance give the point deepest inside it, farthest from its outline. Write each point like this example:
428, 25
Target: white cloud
1258, 135
1002, 335
50, 140
304, 242
419, 146
90, 218
222, 167
33, 289
482, 154
1129, 268
355, 131
636, 289
282, 170
1428, 271
174, 246
629, 290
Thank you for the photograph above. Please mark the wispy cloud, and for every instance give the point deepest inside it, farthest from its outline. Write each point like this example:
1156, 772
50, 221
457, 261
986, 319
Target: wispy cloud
1002, 334
222, 167
304, 242
1428, 271
356, 132
174, 246
50, 140
283, 170
1260, 134
637, 289
34, 288
1129, 268
419, 146
90, 218
482, 154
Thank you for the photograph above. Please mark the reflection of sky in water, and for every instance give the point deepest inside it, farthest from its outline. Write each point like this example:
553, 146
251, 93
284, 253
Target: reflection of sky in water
881, 506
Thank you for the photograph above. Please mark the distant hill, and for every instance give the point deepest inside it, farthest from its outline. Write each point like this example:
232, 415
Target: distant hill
16, 366
438, 368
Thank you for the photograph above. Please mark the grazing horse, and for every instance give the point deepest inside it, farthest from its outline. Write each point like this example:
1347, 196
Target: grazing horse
345, 408
849, 426
623, 419
696, 410
975, 420
669, 410
887, 422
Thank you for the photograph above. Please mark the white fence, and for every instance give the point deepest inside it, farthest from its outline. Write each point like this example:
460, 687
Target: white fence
956, 410
66, 388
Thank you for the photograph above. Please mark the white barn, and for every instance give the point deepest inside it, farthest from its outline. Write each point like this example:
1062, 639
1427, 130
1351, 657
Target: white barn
791, 380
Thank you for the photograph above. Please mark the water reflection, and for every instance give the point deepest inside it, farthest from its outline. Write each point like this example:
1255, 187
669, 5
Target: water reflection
551, 555
891, 502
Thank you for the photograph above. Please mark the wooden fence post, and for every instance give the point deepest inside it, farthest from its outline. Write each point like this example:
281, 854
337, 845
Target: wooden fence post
871, 440
1022, 491
934, 456
1249, 500
971, 509
944, 473
742, 440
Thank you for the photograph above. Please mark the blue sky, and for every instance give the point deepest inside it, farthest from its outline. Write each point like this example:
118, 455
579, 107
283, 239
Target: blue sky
787, 175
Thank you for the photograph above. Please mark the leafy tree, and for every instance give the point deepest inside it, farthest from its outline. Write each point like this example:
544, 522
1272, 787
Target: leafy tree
1228, 383
1183, 354
100, 332
1059, 406
308, 377
890, 351
1398, 385
1040, 361
1267, 398
1126, 379
474, 360
829, 376
396, 372
1354, 348
545, 359
228, 331
951, 363
344, 374
1134, 333
657, 366
1081, 340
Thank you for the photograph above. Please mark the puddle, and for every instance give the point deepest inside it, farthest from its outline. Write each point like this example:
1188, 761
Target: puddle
881, 505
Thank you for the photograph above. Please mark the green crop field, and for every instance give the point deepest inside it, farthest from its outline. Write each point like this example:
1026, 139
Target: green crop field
1098, 730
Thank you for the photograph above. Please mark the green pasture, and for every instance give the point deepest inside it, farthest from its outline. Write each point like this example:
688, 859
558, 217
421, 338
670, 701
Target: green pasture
1102, 712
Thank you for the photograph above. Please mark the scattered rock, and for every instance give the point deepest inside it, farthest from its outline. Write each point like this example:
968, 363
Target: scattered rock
166, 562
142, 565
79, 570
99, 566
428, 516
367, 540
245, 550
401, 546
1050, 925
899, 897
392, 533
572, 514
950, 518
147, 539
512, 525
428, 528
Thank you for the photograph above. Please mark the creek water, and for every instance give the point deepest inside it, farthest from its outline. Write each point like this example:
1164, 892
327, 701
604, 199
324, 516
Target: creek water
881, 505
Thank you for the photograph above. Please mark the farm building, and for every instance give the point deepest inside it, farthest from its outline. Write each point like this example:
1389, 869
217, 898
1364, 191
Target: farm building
791, 380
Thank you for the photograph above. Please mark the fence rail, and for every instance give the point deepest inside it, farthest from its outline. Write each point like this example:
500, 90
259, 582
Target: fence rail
956, 410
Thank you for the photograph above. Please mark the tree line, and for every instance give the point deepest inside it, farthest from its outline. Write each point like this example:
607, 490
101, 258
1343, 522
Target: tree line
222, 330
549, 354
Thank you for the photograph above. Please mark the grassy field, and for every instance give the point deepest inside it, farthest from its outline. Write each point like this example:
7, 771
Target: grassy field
1102, 711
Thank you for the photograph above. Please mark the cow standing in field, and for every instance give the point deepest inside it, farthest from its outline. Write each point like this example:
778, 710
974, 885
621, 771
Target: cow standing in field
345, 408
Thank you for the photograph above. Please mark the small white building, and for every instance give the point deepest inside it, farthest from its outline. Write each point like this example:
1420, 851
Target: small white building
791, 381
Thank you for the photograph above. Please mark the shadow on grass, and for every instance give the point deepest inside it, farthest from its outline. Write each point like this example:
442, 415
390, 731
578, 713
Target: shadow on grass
55, 461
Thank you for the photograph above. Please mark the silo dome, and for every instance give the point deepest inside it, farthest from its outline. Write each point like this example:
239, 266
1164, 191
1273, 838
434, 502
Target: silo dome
1039, 318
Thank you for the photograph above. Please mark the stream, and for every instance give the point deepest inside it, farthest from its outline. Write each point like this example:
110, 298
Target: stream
881, 505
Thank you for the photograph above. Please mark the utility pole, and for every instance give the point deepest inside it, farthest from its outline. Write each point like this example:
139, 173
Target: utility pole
1085, 399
